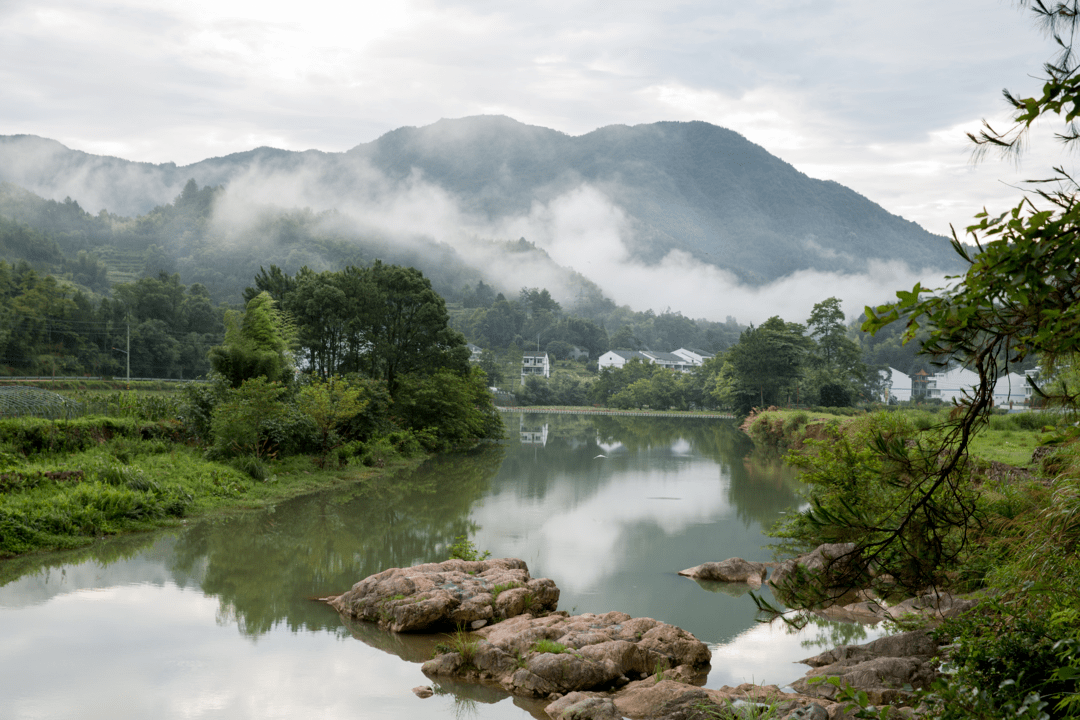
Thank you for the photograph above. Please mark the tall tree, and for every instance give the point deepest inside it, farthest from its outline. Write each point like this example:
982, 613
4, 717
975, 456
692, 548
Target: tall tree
766, 364
257, 344
407, 327
837, 371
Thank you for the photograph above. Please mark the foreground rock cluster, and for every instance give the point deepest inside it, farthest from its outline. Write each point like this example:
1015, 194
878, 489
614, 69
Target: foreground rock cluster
557, 654
446, 595
508, 633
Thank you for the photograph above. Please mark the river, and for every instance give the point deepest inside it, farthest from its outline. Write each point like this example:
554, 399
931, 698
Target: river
216, 619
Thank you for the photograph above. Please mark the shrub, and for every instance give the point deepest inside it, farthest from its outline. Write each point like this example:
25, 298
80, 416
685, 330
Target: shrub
463, 549
377, 452
238, 422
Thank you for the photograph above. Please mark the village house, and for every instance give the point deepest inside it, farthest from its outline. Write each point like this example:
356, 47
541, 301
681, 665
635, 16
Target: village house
535, 364
672, 361
694, 356
1009, 391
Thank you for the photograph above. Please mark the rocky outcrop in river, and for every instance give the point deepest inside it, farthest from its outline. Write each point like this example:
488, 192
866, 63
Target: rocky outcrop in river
440, 596
557, 654
734, 570
612, 665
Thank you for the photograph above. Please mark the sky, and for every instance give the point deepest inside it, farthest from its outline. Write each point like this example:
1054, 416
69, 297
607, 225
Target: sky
876, 96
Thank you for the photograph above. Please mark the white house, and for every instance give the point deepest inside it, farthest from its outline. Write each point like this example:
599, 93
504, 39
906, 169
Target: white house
951, 384
694, 356
668, 360
535, 364
618, 358
474, 352
900, 387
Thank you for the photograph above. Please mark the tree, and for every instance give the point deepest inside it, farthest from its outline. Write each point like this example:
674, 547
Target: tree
489, 363
406, 327
766, 364
835, 360
330, 403
257, 344
1017, 298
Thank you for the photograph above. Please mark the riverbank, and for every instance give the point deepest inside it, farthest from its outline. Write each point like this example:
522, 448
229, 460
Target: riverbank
590, 410
66, 484
1000, 526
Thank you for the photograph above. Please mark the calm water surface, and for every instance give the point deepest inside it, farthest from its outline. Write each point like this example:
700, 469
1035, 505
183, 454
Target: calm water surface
216, 620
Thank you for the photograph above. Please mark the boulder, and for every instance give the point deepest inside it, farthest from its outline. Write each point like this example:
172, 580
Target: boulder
580, 706
934, 606
558, 654
829, 565
436, 596
730, 570
885, 669
668, 700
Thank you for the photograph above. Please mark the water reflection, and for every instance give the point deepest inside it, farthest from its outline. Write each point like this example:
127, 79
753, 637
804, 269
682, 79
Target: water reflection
265, 567
611, 508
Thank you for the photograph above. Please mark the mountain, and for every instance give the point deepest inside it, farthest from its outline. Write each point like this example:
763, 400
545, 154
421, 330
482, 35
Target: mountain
690, 187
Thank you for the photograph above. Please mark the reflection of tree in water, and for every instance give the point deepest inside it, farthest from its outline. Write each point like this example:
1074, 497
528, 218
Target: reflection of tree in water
123, 547
830, 633
265, 566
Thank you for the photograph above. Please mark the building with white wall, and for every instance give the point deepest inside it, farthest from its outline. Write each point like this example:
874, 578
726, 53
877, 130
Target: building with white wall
535, 364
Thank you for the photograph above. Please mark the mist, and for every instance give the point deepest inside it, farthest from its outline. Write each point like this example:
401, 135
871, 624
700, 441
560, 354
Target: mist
585, 227
582, 230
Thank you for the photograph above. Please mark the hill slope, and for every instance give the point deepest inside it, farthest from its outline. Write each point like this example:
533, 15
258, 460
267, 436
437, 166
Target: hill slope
692, 187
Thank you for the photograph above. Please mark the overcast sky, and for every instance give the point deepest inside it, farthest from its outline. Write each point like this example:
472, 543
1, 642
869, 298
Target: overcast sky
876, 96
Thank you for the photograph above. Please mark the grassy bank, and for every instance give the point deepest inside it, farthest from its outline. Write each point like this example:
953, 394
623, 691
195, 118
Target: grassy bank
64, 484
1005, 527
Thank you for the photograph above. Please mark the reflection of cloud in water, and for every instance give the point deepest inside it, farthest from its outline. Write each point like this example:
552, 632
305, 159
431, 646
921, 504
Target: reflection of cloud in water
770, 653
581, 530
609, 448
681, 447
169, 653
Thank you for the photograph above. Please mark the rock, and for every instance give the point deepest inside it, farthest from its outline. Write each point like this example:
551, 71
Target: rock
555, 654
934, 606
730, 570
829, 565
881, 668
579, 706
669, 700
813, 711
423, 691
435, 596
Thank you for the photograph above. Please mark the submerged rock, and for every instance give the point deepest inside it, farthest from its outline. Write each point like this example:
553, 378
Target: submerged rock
730, 570
436, 596
557, 654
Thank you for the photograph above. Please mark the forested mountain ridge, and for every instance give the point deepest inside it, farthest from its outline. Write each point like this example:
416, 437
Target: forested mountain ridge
692, 187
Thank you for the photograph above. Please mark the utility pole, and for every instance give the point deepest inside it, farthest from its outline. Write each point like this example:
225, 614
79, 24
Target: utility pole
127, 355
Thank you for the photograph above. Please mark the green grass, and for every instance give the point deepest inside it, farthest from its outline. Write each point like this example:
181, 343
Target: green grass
1012, 447
462, 643
499, 589
61, 500
549, 646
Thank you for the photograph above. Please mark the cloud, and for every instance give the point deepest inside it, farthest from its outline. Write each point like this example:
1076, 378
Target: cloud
582, 229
